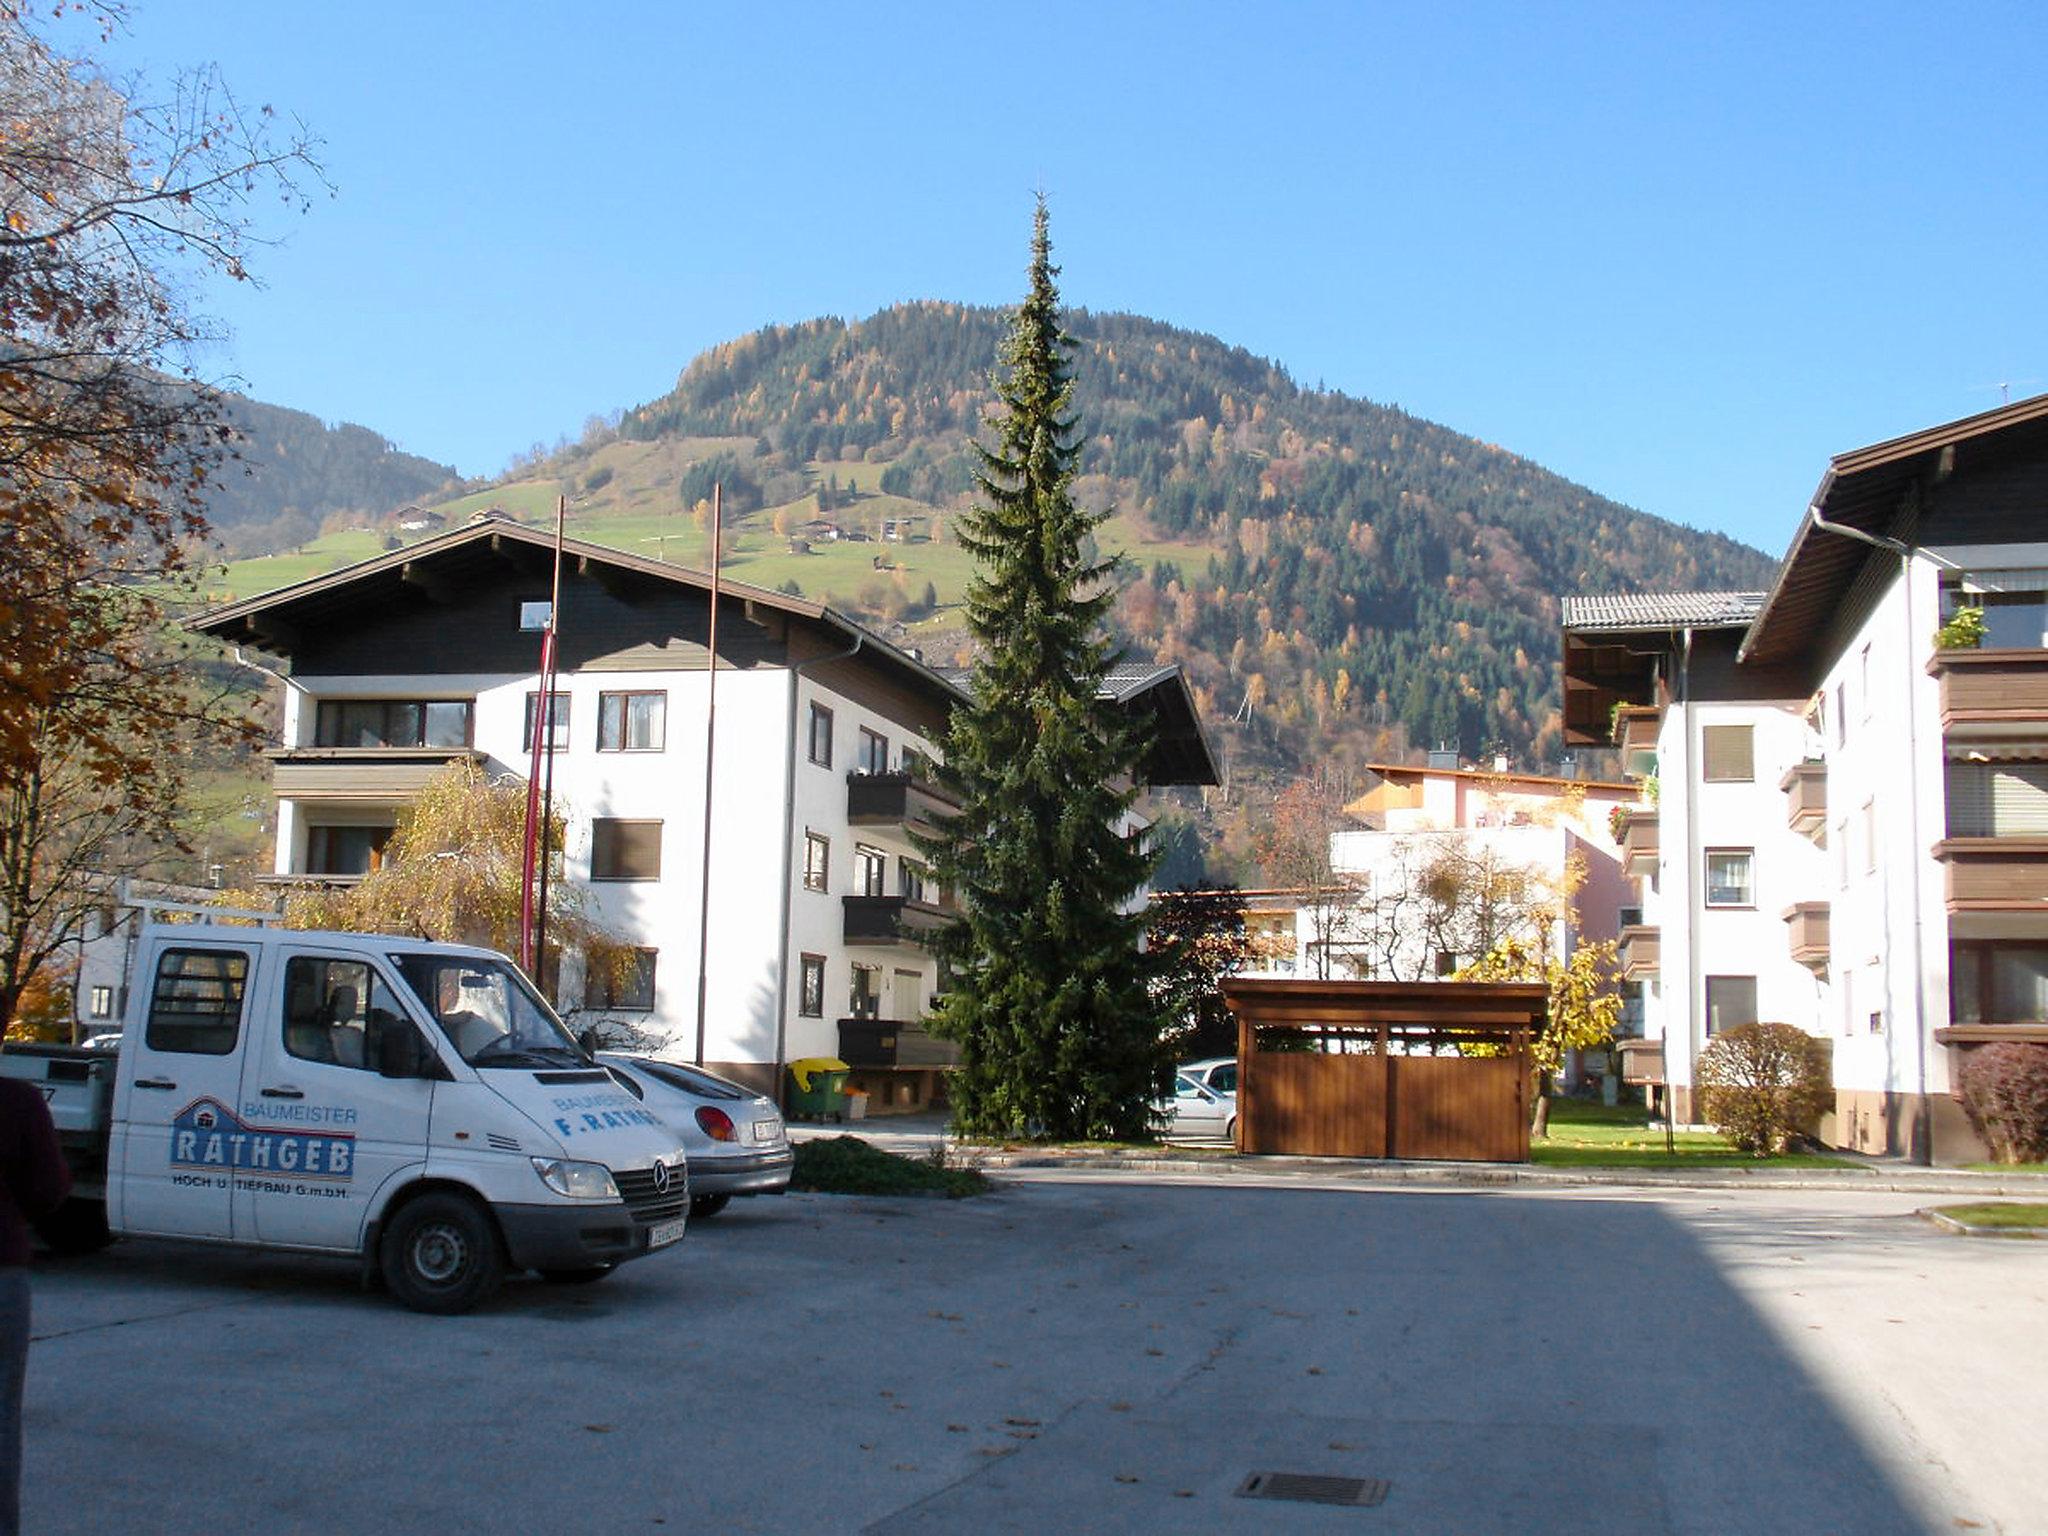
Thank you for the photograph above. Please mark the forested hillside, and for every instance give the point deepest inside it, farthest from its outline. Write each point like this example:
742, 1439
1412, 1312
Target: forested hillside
292, 473
1350, 574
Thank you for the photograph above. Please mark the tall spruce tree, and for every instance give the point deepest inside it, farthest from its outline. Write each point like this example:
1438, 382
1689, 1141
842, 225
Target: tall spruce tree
1048, 995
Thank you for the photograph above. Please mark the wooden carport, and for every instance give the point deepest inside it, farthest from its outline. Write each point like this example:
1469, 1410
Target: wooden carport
1410, 1069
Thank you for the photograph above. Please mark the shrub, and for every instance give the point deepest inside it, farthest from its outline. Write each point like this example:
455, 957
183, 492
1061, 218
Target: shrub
1762, 1084
2004, 1090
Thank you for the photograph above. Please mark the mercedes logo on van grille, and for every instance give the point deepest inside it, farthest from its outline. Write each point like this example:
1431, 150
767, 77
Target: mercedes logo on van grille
660, 1177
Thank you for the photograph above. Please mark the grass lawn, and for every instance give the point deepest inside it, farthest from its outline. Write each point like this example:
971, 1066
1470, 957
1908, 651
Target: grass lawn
2008, 1167
1586, 1135
1998, 1213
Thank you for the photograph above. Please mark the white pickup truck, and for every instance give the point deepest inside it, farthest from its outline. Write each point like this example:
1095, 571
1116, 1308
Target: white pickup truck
417, 1105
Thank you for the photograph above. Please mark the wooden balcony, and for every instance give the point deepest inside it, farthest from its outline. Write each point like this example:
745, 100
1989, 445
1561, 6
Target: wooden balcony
893, 1043
1635, 734
906, 800
1806, 798
1642, 1062
1807, 930
1992, 693
892, 922
385, 774
1995, 874
1639, 841
1638, 952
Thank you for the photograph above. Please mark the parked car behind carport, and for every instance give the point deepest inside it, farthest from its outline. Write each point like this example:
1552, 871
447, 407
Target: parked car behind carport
735, 1138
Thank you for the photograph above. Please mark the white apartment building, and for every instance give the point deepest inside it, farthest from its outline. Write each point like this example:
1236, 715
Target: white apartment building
1847, 826
818, 902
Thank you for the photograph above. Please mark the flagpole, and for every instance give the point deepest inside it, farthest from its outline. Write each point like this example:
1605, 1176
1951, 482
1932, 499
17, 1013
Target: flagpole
710, 739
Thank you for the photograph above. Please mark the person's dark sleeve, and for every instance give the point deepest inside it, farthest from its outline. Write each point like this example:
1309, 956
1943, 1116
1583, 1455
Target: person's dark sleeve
38, 1178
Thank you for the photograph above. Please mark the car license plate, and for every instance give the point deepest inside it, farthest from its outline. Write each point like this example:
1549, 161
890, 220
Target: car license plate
767, 1130
664, 1233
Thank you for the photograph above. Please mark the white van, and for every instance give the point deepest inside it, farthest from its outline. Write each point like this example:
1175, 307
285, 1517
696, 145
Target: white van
416, 1104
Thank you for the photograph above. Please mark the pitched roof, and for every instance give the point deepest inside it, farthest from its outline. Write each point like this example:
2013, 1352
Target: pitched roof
1661, 610
1180, 752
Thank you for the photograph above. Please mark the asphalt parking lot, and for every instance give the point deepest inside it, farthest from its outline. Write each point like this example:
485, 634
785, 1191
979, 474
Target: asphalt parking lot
1086, 1352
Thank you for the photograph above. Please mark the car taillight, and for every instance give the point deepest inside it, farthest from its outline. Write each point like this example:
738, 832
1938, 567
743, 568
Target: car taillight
716, 1124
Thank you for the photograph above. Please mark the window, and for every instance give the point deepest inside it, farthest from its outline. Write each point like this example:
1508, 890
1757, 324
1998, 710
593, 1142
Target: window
1996, 982
1731, 1000
810, 1001
1839, 846
1446, 962
558, 721
817, 861
911, 877
345, 850
1840, 712
102, 1002
874, 751
1998, 799
625, 850
394, 723
1728, 754
1728, 878
631, 722
821, 736
195, 1005
870, 870
338, 1012
865, 1001
1863, 678
630, 987
1868, 816
2014, 604
534, 617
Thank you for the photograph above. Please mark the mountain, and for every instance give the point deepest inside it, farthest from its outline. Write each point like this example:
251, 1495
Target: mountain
292, 472
1344, 582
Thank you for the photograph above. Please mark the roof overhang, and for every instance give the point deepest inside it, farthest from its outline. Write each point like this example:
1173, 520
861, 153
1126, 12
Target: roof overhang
1866, 490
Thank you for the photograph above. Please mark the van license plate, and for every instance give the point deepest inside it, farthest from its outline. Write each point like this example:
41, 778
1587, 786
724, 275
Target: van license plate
661, 1235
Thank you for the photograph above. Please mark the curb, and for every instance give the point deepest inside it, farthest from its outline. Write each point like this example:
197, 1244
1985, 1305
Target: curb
1949, 1223
1493, 1176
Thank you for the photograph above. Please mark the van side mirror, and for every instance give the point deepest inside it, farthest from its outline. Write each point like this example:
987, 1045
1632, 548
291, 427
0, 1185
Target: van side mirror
589, 1042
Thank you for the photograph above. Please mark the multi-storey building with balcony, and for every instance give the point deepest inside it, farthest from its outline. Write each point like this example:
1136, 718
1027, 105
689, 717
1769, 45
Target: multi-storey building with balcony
1847, 826
819, 905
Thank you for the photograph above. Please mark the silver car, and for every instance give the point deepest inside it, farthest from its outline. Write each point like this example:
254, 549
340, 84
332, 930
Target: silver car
735, 1138
1198, 1113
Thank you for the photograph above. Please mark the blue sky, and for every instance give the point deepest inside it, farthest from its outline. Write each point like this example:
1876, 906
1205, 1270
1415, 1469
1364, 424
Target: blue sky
1681, 254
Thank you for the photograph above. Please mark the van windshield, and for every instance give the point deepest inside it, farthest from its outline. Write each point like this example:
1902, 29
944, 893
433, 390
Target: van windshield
489, 1012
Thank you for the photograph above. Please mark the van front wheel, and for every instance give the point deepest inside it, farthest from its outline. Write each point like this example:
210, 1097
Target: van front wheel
440, 1254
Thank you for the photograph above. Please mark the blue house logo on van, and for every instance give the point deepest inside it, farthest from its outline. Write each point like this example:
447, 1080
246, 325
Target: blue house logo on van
207, 1136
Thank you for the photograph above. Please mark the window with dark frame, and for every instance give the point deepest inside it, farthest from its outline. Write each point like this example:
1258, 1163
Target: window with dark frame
195, 1003
1730, 877
629, 990
817, 861
625, 850
874, 751
810, 1001
1728, 754
332, 850
870, 870
911, 879
534, 616
102, 1002
821, 736
865, 999
632, 722
394, 723
1731, 1000
1997, 981
558, 721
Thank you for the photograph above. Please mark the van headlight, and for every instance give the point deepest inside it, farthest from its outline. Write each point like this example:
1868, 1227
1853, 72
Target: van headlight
578, 1181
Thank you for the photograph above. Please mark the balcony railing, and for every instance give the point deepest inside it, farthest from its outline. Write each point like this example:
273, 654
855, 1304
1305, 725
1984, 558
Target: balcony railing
359, 773
1992, 692
884, 921
1806, 798
900, 799
1639, 841
1638, 952
1995, 874
1806, 923
893, 1043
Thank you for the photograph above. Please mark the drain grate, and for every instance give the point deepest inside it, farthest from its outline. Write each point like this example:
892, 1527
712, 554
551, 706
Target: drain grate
1312, 1488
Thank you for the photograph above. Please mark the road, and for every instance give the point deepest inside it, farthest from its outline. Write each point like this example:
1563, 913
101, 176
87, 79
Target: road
1086, 1353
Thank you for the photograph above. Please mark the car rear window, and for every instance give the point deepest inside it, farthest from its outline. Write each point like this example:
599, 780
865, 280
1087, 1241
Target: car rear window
703, 1084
